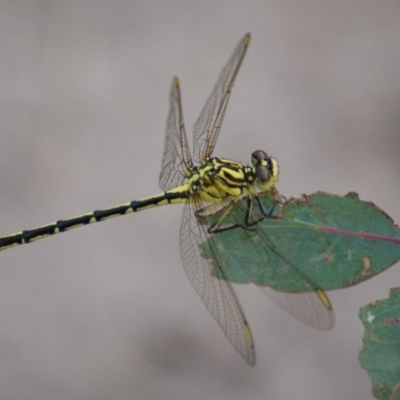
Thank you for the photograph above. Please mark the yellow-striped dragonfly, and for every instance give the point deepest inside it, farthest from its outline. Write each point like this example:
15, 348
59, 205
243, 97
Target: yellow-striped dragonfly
211, 187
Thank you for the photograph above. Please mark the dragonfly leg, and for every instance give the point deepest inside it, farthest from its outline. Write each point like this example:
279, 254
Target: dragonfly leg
263, 210
277, 201
206, 210
216, 225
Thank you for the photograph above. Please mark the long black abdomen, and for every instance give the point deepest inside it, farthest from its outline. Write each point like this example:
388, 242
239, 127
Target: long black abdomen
177, 195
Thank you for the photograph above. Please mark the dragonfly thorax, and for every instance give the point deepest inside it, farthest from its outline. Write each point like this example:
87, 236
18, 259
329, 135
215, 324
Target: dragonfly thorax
219, 178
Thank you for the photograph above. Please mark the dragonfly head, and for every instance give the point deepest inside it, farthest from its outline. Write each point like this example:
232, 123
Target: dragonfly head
265, 168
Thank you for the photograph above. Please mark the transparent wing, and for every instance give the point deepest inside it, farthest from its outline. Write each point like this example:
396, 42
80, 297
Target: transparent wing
217, 294
208, 125
312, 306
176, 157
306, 307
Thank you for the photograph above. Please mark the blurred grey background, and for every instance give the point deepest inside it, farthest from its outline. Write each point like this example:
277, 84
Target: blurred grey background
107, 312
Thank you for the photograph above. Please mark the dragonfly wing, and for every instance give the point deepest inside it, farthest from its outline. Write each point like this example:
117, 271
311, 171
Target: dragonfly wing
217, 294
176, 157
208, 125
311, 306
307, 307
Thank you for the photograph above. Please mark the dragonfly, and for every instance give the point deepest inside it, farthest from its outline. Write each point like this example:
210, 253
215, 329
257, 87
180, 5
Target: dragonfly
209, 187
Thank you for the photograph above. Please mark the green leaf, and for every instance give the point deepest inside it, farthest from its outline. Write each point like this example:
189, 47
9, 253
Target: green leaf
380, 355
319, 240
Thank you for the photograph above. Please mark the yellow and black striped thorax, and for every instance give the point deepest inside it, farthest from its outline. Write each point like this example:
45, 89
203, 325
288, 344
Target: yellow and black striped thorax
219, 178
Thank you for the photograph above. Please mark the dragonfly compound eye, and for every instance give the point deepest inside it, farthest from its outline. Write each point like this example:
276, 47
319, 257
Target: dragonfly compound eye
259, 157
262, 173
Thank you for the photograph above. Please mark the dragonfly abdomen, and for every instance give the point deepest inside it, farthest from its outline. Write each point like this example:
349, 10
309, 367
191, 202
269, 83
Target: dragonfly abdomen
176, 195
